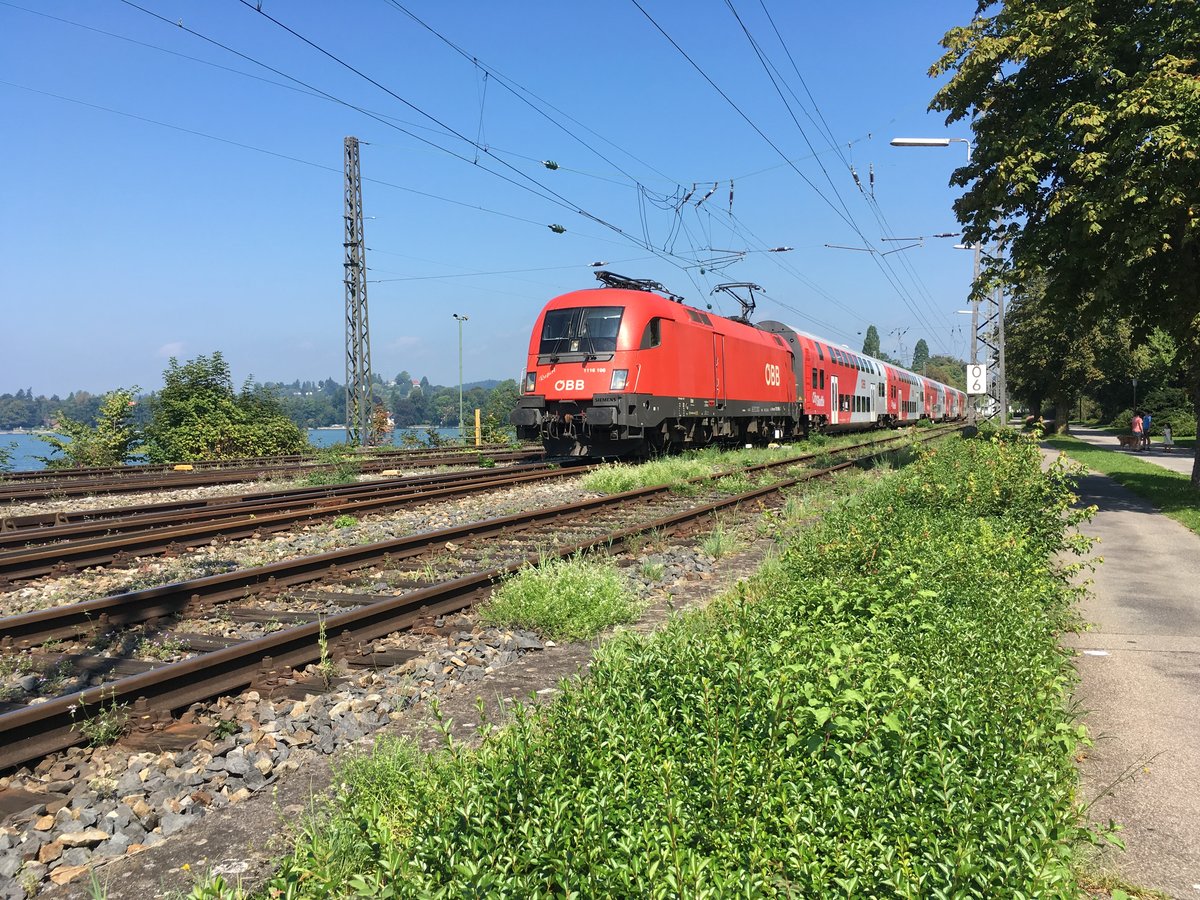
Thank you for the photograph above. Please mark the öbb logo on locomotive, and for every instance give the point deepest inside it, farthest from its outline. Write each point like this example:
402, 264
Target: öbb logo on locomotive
628, 369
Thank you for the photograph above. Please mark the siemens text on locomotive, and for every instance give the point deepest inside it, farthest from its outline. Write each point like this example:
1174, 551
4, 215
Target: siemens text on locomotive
627, 369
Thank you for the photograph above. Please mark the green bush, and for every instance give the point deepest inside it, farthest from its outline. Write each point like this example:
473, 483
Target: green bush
113, 440
880, 713
198, 416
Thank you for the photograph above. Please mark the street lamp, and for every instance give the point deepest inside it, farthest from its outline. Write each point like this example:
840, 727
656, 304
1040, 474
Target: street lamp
946, 142
462, 434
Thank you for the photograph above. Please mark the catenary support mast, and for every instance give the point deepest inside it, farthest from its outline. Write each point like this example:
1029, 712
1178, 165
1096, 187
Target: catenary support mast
358, 339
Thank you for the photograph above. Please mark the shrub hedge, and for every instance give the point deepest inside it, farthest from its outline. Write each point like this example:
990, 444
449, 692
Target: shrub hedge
880, 712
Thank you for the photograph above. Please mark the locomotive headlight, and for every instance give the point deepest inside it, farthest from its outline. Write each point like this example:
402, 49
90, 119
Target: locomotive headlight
530, 382
619, 377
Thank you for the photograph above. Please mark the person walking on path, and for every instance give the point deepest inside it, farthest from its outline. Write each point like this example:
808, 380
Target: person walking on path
1146, 431
1137, 428
1168, 442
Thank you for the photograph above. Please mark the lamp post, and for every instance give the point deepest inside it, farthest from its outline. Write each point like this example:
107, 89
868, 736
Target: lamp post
462, 435
946, 142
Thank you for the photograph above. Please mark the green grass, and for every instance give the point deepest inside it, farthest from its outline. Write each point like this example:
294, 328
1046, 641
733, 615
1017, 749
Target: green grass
570, 599
863, 718
1170, 491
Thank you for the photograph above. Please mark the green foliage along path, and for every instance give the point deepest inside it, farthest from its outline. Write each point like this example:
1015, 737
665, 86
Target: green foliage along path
879, 713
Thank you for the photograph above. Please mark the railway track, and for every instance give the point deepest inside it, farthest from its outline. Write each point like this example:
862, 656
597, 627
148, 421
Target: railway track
21, 491
249, 462
30, 549
220, 667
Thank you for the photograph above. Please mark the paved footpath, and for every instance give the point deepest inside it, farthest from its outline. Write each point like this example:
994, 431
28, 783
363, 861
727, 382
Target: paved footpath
1140, 681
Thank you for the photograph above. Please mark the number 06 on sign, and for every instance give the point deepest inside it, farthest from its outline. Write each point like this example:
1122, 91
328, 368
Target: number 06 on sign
976, 379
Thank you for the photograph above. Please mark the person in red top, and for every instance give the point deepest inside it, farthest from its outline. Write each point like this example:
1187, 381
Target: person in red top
1137, 428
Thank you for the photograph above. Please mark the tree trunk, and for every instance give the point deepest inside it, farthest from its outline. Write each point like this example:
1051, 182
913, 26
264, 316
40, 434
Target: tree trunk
1062, 414
1196, 406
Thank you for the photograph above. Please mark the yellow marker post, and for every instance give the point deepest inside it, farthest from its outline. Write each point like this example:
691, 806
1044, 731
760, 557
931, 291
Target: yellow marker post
478, 432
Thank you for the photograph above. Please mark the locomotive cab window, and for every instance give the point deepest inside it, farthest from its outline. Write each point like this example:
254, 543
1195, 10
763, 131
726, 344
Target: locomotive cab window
652, 336
587, 331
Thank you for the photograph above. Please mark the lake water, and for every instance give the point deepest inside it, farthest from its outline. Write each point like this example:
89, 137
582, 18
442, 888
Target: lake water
26, 447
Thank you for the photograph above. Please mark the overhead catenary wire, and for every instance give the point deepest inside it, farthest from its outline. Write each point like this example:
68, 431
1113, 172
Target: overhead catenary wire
836, 147
689, 231
522, 181
776, 79
884, 265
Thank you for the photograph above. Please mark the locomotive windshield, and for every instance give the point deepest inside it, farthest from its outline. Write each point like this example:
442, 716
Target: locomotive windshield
588, 330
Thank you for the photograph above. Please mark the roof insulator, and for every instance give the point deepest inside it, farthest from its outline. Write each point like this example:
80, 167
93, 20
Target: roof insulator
550, 164
557, 229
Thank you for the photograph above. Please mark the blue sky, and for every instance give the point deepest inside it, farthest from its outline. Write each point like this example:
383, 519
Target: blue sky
164, 196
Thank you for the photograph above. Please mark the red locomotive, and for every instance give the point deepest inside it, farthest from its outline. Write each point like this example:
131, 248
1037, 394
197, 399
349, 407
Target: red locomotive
628, 369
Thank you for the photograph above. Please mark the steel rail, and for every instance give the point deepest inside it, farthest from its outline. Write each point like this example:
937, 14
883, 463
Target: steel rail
13, 527
241, 462
34, 731
33, 530
134, 607
42, 490
33, 562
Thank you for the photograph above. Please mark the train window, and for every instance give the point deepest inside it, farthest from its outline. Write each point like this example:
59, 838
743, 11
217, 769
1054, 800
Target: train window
881, 389
652, 336
693, 315
705, 319
586, 329
822, 379
814, 378
820, 353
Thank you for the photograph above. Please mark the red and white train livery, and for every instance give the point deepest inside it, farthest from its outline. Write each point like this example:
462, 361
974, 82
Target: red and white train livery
628, 371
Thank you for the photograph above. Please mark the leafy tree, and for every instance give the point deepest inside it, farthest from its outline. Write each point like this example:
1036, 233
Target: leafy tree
920, 356
111, 442
381, 430
1051, 356
197, 415
871, 342
1086, 118
947, 370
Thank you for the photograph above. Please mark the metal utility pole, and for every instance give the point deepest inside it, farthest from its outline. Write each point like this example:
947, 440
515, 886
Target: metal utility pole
358, 340
462, 432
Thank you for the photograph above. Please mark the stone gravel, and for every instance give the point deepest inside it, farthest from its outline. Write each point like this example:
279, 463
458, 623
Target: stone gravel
319, 537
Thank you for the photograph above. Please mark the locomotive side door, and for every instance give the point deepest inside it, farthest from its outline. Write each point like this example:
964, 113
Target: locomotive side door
834, 400
719, 369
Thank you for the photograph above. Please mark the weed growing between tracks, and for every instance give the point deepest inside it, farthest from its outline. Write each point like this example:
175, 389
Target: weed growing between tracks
880, 712
570, 599
615, 478
343, 466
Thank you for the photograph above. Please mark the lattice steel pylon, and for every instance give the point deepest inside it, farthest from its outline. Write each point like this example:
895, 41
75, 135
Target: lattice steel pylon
358, 338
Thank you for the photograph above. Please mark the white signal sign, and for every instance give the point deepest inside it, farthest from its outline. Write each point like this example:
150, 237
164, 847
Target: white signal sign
976, 379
